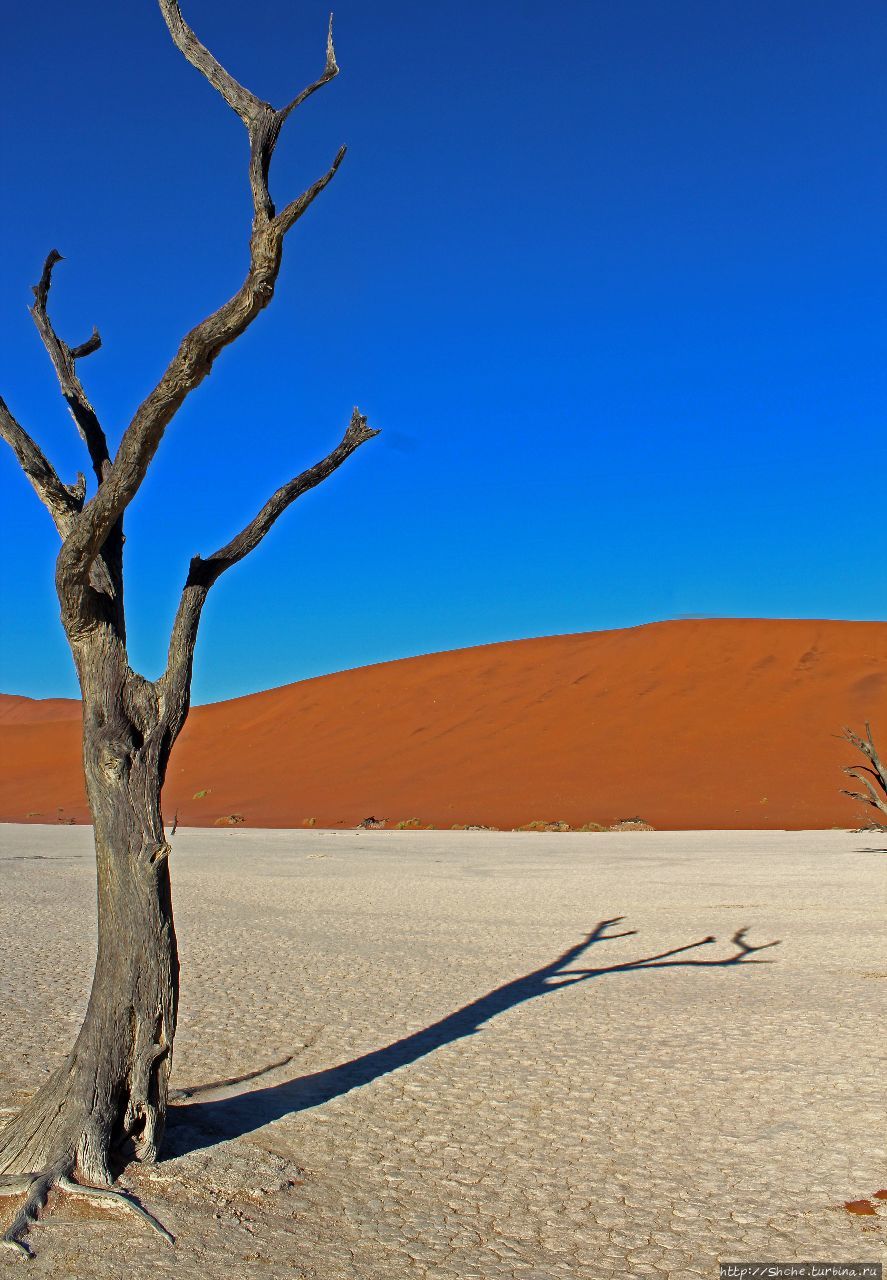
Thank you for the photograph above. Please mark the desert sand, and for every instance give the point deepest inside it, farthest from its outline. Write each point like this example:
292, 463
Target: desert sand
718, 724
444, 1109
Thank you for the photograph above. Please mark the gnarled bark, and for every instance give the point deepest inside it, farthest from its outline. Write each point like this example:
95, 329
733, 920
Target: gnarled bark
113, 1085
111, 1091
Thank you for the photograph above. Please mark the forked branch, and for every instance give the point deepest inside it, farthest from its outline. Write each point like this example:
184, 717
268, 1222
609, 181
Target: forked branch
106, 574
872, 776
64, 360
199, 349
262, 121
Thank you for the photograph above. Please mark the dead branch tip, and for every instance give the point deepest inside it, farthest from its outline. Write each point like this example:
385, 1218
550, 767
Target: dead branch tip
41, 288
332, 67
92, 343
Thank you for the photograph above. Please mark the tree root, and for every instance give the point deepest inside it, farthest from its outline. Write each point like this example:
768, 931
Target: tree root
116, 1197
37, 1187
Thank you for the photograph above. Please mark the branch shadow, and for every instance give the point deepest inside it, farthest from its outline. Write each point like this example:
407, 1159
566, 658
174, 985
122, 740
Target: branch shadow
196, 1125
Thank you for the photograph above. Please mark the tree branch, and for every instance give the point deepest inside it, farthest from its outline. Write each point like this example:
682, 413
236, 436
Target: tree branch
199, 349
293, 211
61, 501
249, 538
203, 573
329, 72
867, 747
262, 121
246, 104
63, 359
872, 798
863, 773
104, 569
92, 343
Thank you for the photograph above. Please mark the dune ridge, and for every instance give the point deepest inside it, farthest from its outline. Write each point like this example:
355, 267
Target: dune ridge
692, 724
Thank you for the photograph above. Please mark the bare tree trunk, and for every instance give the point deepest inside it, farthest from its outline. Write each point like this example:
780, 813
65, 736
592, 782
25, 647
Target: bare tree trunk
113, 1085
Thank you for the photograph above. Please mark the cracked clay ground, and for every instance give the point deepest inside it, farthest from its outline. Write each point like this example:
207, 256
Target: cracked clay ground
469, 1092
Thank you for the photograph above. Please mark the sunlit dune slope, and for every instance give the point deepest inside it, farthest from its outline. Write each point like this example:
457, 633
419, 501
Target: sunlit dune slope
688, 724
18, 710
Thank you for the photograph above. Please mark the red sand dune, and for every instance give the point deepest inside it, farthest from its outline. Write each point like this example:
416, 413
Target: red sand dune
17, 710
689, 724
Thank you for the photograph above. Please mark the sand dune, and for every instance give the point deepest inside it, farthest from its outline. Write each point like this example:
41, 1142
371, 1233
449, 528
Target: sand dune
17, 710
689, 724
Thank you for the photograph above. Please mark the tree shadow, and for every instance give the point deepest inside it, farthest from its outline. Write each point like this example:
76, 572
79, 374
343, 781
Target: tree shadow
194, 1125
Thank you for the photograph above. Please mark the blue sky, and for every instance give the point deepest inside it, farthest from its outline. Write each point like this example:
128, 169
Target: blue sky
611, 278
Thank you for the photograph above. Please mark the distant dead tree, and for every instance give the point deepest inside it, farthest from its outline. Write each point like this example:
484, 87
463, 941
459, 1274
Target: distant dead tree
873, 775
112, 1088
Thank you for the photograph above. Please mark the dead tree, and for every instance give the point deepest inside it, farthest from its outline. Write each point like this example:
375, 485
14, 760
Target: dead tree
112, 1088
873, 775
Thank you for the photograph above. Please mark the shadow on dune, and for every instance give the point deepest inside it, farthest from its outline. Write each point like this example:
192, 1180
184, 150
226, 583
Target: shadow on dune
193, 1125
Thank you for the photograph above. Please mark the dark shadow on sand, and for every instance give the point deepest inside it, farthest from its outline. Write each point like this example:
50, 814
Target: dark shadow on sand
193, 1125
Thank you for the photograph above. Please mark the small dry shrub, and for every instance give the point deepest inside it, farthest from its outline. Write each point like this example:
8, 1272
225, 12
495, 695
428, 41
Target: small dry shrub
545, 826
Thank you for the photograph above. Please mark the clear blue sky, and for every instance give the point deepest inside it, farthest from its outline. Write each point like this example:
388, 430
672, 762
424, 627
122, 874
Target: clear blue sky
611, 278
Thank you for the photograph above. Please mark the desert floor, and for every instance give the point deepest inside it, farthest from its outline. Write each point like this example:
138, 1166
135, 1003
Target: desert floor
466, 1093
